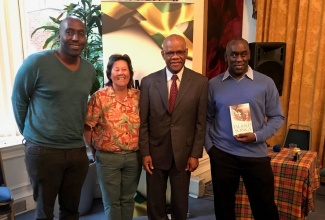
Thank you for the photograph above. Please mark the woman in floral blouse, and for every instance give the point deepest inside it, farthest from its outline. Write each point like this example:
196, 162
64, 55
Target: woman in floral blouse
111, 132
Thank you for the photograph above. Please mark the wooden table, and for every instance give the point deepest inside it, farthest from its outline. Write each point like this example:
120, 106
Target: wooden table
294, 186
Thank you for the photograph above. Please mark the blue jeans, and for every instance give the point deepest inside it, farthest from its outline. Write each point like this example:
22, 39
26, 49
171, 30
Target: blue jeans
55, 172
118, 176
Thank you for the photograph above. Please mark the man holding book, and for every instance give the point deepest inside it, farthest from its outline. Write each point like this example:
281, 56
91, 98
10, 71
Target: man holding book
234, 155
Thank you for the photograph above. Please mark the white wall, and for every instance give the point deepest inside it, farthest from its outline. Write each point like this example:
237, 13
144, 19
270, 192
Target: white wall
15, 174
249, 24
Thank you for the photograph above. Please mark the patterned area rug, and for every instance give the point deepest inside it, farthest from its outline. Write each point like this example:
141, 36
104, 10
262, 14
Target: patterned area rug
140, 209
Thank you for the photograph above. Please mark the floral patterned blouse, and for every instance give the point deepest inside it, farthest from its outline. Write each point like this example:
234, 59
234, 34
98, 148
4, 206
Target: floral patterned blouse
114, 123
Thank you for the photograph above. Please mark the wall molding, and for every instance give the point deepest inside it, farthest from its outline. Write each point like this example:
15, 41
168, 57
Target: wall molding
203, 171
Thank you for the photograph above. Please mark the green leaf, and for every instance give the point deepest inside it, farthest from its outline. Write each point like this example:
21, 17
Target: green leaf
90, 14
45, 28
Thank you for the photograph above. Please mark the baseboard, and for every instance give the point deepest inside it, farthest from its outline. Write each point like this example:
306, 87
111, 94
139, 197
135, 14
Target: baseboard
197, 186
24, 205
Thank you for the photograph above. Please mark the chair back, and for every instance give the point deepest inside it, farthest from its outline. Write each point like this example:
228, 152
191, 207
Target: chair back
298, 134
2, 173
6, 199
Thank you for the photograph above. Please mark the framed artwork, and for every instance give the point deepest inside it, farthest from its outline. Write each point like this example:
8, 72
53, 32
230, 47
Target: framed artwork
139, 28
225, 20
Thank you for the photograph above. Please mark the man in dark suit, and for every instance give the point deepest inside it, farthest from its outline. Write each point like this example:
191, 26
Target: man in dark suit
171, 134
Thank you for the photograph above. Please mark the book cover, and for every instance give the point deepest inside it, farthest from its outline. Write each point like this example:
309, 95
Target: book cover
241, 120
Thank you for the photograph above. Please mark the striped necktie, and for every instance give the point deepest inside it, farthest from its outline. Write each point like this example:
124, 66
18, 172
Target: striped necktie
173, 93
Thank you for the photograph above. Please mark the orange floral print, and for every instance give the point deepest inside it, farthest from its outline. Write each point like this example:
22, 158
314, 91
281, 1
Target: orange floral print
114, 123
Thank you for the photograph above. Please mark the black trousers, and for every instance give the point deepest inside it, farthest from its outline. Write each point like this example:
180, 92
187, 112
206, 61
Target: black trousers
156, 193
258, 178
55, 172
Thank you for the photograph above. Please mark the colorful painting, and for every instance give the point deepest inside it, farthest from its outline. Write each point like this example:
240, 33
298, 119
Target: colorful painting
139, 28
225, 19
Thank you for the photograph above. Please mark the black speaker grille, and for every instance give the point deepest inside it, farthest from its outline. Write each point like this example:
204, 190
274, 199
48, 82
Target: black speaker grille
274, 70
269, 58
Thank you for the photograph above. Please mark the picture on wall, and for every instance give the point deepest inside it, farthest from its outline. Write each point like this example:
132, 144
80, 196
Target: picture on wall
225, 19
139, 28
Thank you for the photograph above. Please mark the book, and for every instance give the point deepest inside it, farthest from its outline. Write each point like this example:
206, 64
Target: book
241, 120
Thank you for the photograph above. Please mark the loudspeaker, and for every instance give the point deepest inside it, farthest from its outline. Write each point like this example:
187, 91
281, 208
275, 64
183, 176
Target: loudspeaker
269, 58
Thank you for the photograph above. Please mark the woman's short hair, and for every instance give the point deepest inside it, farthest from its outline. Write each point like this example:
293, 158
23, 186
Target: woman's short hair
111, 60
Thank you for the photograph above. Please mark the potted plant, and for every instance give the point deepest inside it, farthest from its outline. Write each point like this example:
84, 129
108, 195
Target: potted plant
90, 14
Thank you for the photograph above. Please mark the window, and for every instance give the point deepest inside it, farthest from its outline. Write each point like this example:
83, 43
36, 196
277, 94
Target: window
18, 19
11, 53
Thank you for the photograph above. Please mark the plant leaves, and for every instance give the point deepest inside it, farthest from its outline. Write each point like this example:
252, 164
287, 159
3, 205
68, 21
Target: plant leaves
90, 14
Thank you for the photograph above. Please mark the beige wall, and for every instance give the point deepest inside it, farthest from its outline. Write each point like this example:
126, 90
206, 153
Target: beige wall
200, 25
249, 24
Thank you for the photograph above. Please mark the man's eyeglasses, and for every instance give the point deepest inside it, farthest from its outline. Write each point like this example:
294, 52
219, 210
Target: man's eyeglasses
71, 33
170, 54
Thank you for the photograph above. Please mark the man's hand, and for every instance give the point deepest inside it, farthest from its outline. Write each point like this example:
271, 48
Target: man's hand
147, 164
192, 164
246, 138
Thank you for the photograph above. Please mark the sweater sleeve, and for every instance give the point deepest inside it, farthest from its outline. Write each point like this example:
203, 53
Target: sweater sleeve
273, 113
210, 119
22, 92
